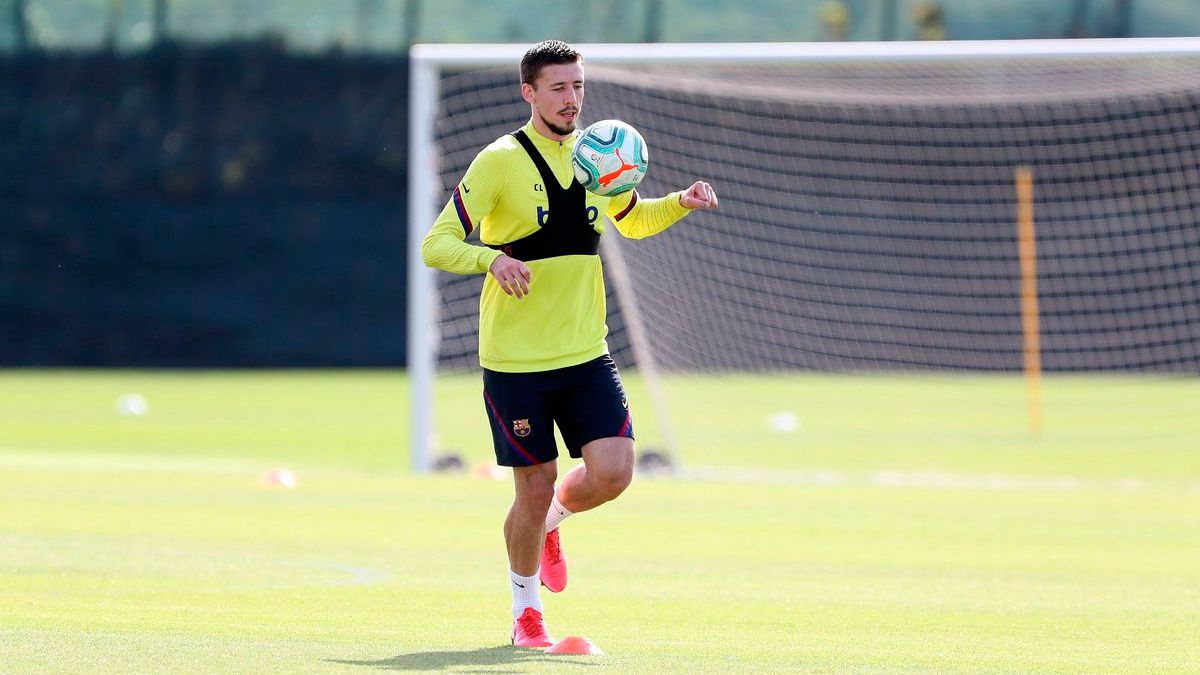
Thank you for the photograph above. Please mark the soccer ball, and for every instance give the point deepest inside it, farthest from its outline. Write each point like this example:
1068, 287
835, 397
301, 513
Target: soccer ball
610, 158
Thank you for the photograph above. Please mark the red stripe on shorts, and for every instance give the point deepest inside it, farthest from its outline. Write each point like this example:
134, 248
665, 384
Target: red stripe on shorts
625, 427
507, 434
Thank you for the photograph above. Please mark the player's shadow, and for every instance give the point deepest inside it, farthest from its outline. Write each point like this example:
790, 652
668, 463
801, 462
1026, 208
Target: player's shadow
488, 656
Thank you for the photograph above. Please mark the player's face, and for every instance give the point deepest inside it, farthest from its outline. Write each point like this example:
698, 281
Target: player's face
557, 97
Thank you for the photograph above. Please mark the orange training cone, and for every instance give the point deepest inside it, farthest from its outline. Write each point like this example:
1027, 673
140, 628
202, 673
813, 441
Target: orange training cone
277, 478
573, 644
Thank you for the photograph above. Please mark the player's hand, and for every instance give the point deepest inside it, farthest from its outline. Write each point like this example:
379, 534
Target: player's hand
512, 275
699, 196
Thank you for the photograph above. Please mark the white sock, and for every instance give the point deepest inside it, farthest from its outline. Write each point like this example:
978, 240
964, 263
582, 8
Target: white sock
556, 514
525, 592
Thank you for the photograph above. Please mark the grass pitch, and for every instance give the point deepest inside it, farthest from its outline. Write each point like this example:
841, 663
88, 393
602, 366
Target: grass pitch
890, 526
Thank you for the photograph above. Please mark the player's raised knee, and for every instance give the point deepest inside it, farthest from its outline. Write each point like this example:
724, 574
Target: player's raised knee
611, 481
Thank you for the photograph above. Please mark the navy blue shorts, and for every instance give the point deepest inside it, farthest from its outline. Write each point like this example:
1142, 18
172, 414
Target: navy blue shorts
586, 401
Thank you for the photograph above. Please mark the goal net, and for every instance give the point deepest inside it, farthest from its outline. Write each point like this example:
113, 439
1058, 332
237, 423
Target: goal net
860, 290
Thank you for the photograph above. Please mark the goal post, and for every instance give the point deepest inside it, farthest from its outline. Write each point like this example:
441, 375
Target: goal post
867, 220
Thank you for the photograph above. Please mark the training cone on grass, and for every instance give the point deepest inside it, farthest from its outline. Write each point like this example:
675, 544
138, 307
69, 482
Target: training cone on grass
489, 471
573, 644
278, 477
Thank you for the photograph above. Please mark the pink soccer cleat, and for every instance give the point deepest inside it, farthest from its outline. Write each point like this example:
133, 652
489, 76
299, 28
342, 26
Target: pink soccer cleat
530, 631
553, 571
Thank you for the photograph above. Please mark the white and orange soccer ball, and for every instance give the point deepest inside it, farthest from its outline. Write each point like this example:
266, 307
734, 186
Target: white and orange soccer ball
610, 158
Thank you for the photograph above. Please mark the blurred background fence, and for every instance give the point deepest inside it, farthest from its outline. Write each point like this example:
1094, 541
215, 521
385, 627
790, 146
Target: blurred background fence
391, 25
222, 182
202, 206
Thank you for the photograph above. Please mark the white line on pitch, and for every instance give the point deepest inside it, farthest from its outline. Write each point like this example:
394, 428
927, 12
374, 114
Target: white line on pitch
78, 461
926, 479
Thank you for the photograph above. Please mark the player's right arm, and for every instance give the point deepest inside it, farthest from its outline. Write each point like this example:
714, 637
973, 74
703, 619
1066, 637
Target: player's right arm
472, 200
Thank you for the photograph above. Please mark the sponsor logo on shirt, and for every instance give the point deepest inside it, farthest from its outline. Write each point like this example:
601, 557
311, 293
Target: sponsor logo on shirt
543, 215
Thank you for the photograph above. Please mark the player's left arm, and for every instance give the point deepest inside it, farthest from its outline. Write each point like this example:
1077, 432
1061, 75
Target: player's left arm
700, 196
637, 218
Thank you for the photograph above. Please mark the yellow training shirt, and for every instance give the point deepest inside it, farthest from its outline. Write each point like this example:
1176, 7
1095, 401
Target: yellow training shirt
561, 322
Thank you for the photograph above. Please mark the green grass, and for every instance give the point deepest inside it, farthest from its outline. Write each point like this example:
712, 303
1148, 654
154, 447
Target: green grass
910, 525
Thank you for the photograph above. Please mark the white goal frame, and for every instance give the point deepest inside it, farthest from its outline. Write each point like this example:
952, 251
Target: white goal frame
427, 61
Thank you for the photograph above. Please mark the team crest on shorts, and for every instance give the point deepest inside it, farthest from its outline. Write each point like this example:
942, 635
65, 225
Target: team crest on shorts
522, 428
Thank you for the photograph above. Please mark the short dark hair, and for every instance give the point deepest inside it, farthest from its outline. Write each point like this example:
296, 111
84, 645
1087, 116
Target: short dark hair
546, 53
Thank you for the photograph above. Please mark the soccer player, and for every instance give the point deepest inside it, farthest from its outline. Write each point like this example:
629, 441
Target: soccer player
541, 319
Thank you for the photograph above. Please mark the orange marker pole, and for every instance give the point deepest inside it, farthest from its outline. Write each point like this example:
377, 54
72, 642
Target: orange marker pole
1027, 245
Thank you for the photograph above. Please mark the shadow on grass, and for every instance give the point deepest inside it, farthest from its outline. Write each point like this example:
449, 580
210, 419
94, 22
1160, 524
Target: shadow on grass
488, 656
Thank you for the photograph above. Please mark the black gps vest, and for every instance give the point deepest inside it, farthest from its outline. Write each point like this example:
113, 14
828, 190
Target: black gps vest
567, 230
